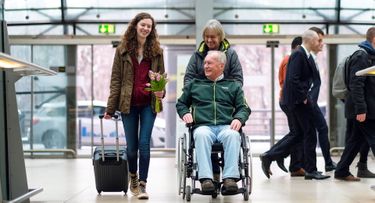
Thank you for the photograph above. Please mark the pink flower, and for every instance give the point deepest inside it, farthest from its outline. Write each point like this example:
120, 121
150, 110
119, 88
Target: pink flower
158, 77
151, 75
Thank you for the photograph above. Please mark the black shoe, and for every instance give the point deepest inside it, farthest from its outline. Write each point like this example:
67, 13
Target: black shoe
363, 171
315, 175
266, 163
331, 167
280, 163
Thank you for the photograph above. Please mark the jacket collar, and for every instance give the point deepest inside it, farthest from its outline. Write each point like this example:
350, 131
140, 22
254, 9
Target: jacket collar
203, 48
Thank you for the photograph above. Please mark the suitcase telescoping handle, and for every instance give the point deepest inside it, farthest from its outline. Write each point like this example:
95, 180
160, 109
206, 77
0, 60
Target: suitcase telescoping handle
115, 118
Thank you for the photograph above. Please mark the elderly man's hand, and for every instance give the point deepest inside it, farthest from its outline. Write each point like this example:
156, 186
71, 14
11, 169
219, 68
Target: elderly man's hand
361, 117
188, 118
236, 125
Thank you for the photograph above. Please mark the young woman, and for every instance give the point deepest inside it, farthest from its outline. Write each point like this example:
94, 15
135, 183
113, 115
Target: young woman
137, 54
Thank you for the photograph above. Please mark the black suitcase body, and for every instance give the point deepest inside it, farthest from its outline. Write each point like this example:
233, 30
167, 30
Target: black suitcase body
110, 166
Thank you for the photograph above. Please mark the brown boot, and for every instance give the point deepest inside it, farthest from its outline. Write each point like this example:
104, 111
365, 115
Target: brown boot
363, 171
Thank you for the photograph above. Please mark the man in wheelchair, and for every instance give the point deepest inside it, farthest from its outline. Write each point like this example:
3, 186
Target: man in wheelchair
218, 111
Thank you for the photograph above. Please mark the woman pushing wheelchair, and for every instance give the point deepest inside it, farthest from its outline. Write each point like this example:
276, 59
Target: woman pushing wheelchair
218, 110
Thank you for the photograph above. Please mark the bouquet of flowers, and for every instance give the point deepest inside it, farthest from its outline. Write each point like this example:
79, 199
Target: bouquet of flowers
157, 83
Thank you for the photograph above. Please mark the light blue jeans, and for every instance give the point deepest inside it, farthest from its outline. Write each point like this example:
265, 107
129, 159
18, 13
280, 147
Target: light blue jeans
204, 137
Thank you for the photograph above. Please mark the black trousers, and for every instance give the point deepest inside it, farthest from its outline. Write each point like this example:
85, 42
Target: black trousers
320, 124
301, 133
364, 150
359, 133
296, 160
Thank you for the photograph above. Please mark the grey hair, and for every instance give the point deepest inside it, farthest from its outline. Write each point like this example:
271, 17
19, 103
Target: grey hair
216, 26
219, 55
308, 35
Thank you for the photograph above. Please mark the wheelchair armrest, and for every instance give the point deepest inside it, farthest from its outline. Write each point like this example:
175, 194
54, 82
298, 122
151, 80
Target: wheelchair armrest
189, 125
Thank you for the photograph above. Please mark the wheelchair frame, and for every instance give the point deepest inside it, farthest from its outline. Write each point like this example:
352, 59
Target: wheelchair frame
187, 167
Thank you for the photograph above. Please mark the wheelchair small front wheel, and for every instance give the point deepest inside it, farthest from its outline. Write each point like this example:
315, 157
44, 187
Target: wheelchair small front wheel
214, 195
188, 193
246, 194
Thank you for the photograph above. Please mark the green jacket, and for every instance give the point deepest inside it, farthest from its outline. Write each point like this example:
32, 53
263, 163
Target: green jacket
213, 103
122, 80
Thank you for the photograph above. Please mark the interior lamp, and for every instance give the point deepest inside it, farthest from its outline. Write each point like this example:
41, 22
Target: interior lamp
366, 72
22, 67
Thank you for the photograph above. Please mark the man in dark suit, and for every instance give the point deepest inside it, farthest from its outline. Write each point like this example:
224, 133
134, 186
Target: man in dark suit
317, 120
299, 77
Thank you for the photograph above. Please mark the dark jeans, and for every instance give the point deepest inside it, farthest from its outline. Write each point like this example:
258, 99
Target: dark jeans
358, 133
138, 126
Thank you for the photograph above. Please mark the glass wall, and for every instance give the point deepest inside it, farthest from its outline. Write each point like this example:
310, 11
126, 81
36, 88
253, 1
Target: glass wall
46, 114
42, 99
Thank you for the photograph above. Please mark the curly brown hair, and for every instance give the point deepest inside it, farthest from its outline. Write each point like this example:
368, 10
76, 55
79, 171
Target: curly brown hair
129, 39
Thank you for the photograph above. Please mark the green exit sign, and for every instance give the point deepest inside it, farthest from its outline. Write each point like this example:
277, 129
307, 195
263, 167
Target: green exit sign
271, 28
107, 28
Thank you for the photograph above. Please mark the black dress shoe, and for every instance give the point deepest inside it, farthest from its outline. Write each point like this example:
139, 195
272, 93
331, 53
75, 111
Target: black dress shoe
331, 167
266, 163
280, 163
315, 175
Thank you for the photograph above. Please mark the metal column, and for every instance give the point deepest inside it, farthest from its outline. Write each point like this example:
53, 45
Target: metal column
272, 45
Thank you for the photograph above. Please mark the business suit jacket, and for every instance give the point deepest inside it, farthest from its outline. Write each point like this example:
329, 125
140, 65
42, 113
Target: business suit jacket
315, 89
299, 77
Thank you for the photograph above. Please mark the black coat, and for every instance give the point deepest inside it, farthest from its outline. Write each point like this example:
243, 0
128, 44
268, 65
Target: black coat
299, 77
361, 97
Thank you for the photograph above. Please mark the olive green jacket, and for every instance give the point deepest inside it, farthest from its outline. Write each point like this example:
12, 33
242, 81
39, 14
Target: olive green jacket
213, 103
122, 80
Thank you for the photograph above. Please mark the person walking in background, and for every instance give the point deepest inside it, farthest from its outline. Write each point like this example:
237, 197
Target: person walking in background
138, 52
317, 116
296, 98
218, 109
214, 39
359, 107
296, 168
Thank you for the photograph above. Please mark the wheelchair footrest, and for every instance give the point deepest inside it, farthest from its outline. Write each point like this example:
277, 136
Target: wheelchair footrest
199, 191
239, 191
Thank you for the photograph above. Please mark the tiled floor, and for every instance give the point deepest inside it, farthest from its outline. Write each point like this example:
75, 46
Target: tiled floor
72, 180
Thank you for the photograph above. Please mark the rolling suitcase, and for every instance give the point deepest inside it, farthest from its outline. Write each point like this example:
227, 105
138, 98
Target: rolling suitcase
110, 165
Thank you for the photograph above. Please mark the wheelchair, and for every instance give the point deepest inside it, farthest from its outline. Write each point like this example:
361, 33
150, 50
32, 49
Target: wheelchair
187, 167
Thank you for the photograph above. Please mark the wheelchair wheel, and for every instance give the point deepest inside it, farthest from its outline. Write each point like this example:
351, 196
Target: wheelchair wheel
181, 167
250, 178
188, 193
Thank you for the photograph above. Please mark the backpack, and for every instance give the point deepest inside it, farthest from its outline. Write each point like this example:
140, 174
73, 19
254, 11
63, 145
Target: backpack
341, 76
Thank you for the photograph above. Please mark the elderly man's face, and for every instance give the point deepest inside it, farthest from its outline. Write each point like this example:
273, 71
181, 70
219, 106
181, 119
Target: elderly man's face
213, 68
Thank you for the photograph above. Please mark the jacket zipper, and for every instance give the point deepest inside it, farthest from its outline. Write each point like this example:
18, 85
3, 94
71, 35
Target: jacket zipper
214, 102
